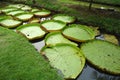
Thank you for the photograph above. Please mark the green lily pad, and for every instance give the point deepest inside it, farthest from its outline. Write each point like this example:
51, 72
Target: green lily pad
56, 37
15, 12
111, 38
103, 55
10, 23
53, 25
34, 10
79, 33
16, 5
24, 16
42, 13
8, 9
2, 17
64, 18
26, 8
31, 31
66, 58
34, 20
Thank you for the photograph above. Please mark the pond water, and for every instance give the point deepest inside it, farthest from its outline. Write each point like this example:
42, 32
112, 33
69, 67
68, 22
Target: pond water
89, 72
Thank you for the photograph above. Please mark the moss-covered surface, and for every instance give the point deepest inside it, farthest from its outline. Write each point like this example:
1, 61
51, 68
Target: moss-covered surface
20, 61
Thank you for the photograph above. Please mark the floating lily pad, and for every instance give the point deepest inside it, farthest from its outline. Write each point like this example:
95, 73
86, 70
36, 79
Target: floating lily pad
34, 10
16, 5
42, 13
26, 8
15, 12
24, 16
53, 25
64, 18
10, 23
96, 30
34, 20
56, 37
111, 38
31, 31
78, 32
2, 17
8, 9
66, 58
102, 54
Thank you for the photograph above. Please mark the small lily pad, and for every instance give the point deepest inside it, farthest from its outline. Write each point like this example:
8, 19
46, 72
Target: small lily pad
53, 25
31, 31
79, 33
103, 55
64, 18
24, 16
42, 13
65, 57
10, 23
56, 37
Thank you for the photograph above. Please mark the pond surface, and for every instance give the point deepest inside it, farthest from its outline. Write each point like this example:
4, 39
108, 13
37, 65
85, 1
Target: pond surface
89, 72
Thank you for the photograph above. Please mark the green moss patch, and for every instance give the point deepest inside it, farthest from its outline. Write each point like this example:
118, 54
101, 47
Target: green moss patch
20, 61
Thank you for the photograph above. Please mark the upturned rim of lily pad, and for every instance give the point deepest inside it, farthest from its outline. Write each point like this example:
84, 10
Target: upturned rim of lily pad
51, 34
42, 13
84, 28
78, 53
5, 24
103, 55
22, 14
53, 21
28, 26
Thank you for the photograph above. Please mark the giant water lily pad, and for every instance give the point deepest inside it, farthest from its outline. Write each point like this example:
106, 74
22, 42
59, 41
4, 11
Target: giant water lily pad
66, 58
10, 23
24, 16
64, 18
26, 8
34, 20
53, 25
78, 32
15, 12
56, 37
31, 31
16, 5
102, 54
7, 9
42, 13
111, 38
34, 10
